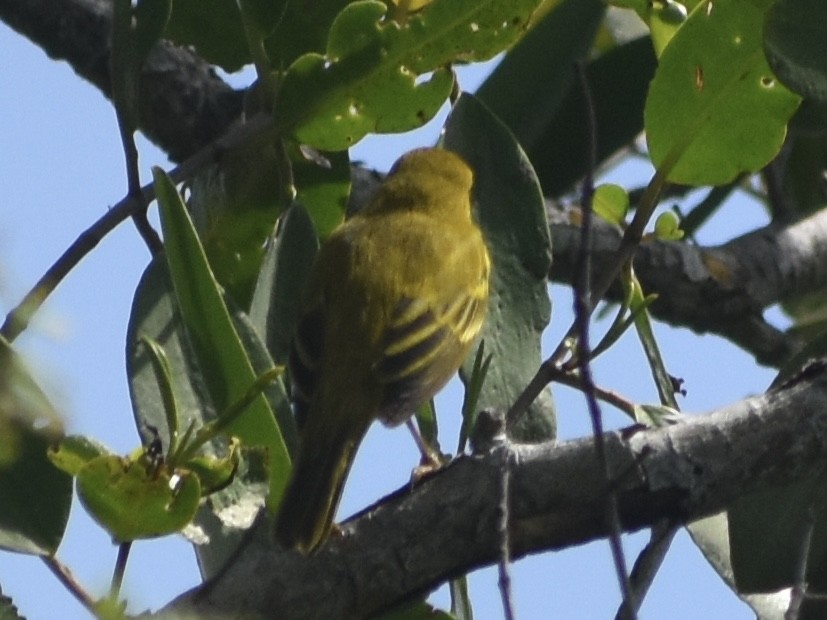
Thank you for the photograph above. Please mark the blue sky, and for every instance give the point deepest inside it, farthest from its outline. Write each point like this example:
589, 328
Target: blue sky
61, 166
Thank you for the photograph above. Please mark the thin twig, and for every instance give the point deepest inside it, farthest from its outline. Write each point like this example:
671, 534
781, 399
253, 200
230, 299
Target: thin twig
648, 564
257, 128
582, 312
120, 568
133, 178
65, 576
549, 373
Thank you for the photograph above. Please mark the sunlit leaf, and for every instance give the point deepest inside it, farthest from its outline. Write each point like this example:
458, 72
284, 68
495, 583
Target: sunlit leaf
611, 203
715, 109
131, 499
224, 362
374, 77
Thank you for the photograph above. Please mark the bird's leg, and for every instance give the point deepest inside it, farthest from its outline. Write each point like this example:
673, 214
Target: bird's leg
431, 460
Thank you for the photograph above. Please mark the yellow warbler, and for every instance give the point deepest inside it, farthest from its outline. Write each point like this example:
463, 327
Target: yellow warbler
393, 302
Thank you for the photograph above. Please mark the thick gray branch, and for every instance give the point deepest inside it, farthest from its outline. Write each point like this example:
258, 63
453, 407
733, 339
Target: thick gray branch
415, 539
184, 104
722, 289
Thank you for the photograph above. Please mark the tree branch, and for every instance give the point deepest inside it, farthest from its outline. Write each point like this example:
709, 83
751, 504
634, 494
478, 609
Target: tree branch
184, 105
415, 539
721, 289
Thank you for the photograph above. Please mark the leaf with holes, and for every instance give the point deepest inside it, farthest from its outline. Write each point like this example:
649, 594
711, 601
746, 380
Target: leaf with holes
374, 75
714, 108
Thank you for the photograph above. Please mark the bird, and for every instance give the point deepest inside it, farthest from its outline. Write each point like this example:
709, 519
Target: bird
394, 300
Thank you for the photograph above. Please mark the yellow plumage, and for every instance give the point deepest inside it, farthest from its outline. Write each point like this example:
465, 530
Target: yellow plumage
394, 300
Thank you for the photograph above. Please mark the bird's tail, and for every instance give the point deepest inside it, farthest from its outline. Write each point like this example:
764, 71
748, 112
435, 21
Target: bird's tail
312, 496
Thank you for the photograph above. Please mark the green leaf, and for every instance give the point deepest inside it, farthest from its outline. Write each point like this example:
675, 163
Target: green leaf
804, 162
656, 415
665, 18
36, 496
301, 27
611, 203
527, 88
135, 31
215, 473
638, 304
323, 189
474, 381
711, 535
512, 215
110, 607
418, 610
766, 530
155, 314
619, 81
460, 599
7, 609
226, 367
214, 28
715, 109
796, 45
75, 451
151, 18
265, 15
367, 79
427, 423
668, 227
124, 65
131, 499
277, 297
23, 405
235, 205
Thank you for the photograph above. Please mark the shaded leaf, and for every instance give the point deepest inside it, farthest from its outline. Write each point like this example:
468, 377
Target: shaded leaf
526, 89
512, 215
300, 27
419, 610
619, 81
151, 18
277, 297
36, 496
711, 535
715, 109
766, 531
214, 28
796, 45
7, 609
323, 190
234, 206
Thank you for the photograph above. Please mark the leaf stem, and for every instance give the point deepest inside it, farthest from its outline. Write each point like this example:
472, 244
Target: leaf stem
120, 569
